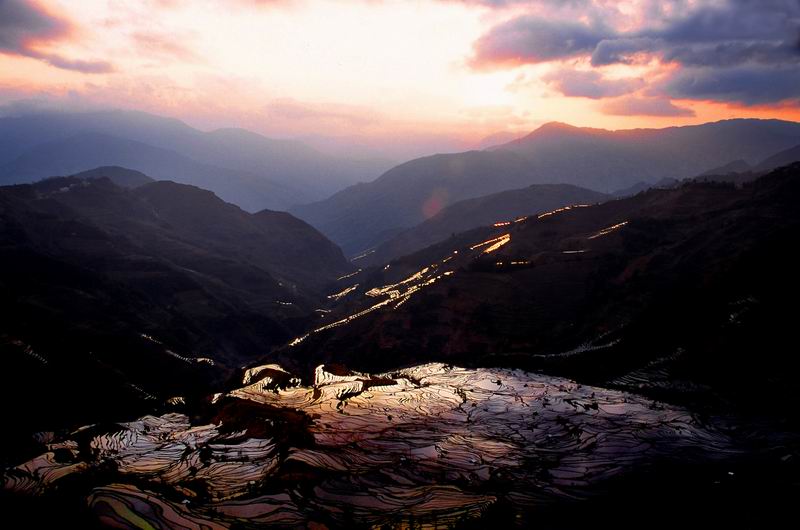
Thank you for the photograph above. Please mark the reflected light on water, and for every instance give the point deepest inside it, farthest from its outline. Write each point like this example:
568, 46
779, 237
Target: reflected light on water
564, 209
502, 240
608, 230
348, 275
363, 255
343, 293
490, 241
395, 295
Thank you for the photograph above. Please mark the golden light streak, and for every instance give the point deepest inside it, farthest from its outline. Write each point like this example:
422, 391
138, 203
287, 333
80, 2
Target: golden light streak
343, 293
502, 241
564, 209
348, 275
608, 230
488, 242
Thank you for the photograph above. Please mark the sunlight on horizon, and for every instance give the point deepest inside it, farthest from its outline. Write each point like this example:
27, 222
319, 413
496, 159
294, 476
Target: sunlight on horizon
375, 70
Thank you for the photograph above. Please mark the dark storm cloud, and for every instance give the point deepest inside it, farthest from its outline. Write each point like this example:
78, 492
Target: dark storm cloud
24, 25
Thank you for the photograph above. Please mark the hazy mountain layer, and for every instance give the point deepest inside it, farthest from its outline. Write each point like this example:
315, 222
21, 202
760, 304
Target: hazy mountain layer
243, 167
777, 160
366, 215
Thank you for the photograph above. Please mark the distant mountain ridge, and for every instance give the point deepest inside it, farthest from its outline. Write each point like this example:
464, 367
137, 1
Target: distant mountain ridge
364, 216
72, 155
608, 160
241, 166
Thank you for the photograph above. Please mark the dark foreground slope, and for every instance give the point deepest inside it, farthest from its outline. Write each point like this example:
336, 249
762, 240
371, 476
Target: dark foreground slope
113, 296
680, 290
674, 292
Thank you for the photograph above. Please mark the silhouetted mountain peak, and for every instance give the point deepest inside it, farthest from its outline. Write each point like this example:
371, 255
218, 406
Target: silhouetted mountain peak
557, 126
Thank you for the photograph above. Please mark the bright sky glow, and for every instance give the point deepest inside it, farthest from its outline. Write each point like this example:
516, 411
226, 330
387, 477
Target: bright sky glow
371, 69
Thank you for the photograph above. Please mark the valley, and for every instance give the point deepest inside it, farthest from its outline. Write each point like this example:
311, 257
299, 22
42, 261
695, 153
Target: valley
547, 355
394, 265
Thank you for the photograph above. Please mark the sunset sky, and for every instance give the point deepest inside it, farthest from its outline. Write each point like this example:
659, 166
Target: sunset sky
388, 69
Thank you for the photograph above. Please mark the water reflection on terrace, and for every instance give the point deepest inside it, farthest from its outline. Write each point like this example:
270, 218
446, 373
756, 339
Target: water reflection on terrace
493, 243
563, 209
608, 230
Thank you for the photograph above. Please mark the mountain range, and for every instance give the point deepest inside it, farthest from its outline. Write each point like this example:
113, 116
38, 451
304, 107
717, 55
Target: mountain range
158, 289
248, 169
170, 358
670, 291
365, 215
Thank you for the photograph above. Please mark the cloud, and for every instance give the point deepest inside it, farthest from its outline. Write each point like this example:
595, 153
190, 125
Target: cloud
622, 50
529, 39
508, 3
764, 31
22, 24
730, 33
77, 65
25, 26
747, 85
639, 106
162, 45
590, 84
704, 44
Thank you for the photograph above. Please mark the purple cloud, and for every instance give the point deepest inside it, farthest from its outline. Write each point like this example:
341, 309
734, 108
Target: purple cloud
21, 23
637, 106
530, 39
720, 48
590, 84
24, 24
747, 85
